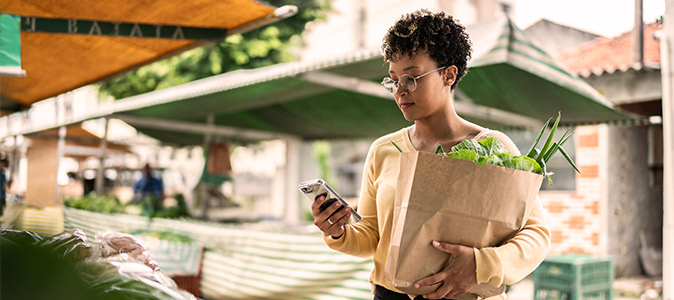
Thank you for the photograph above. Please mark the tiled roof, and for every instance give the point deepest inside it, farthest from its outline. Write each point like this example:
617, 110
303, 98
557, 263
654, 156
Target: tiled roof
609, 54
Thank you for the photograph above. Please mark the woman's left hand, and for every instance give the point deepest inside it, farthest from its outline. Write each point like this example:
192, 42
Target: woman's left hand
458, 277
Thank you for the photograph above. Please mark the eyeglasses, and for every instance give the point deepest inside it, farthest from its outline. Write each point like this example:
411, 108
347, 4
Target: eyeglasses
408, 82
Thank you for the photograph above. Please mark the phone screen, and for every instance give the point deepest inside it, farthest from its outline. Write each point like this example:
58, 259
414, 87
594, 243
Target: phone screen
316, 188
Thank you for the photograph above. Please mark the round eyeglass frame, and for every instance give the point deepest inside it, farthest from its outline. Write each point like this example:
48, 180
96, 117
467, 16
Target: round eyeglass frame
404, 81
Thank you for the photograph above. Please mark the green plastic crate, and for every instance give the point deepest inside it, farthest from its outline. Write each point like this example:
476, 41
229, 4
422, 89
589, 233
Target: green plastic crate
572, 277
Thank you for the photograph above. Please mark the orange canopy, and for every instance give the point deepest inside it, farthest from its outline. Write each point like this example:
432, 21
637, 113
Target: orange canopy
57, 63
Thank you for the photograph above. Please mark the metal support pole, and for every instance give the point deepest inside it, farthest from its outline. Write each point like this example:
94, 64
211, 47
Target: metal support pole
203, 189
60, 149
667, 52
100, 180
293, 207
638, 34
14, 163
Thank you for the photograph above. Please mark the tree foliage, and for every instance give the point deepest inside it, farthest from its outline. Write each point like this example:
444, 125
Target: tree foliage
257, 48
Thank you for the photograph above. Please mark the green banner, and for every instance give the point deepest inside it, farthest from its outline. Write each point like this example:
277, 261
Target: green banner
10, 46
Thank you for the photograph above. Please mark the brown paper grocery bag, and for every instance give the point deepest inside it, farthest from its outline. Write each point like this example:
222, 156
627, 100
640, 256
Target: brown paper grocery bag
453, 200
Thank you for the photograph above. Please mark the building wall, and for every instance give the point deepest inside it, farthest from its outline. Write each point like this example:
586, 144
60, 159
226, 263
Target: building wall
358, 24
635, 200
575, 217
617, 196
556, 38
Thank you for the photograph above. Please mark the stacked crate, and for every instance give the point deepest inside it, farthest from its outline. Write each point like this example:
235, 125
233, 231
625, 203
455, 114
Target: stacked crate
572, 277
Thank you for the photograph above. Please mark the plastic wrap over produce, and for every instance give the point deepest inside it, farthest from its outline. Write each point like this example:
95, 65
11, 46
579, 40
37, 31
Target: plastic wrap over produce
114, 266
125, 246
133, 261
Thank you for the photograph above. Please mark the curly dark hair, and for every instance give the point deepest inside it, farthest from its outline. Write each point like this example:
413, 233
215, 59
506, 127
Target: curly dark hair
439, 34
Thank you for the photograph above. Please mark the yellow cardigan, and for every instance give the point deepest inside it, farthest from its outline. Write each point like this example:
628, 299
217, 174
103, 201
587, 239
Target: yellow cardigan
506, 264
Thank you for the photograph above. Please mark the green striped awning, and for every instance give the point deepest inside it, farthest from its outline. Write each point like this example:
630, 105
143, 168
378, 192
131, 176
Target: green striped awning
340, 97
509, 72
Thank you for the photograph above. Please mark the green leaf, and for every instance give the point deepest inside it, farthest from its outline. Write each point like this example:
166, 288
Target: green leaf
525, 163
548, 142
540, 134
503, 159
551, 152
536, 152
568, 158
394, 144
439, 150
482, 160
566, 136
472, 145
492, 145
545, 171
464, 154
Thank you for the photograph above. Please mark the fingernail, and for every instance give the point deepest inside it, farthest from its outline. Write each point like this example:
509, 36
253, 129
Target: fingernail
436, 243
417, 285
338, 203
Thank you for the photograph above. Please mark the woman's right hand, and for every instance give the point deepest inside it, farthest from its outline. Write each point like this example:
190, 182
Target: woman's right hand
328, 223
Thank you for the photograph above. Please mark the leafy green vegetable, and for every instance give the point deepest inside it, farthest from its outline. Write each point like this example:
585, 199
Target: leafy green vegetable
533, 151
492, 151
550, 148
526, 163
548, 142
471, 145
464, 154
102, 204
492, 145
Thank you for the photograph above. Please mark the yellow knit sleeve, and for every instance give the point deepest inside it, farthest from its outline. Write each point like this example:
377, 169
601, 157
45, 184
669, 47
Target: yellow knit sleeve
519, 256
361, 239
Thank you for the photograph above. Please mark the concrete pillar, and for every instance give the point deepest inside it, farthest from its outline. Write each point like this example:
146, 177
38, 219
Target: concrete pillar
667, 53
100, 174
203, 188
41, 184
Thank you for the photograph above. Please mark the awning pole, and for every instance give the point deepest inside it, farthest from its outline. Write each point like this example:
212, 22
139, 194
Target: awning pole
60, 149
293, 207
203, 188
101, 158
668, 148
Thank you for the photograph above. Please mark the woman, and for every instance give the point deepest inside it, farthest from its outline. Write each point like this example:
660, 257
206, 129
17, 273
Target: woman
427, 54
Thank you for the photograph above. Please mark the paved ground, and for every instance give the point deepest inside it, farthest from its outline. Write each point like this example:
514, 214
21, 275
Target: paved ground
623, 289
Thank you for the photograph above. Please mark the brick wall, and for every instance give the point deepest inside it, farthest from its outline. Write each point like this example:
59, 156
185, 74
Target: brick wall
574, 217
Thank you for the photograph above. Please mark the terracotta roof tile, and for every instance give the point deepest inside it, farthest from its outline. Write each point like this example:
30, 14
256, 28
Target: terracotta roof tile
607, 54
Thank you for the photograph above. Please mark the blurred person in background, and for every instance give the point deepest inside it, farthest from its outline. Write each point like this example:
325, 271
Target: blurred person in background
4, 184
149, 190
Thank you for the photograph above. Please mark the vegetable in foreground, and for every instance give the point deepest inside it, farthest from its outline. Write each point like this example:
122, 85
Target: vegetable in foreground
491, 151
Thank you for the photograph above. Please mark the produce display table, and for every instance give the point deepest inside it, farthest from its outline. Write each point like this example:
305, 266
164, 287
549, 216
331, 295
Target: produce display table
251, 262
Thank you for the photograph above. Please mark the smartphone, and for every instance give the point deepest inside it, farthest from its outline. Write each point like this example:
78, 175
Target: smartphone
313, 189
